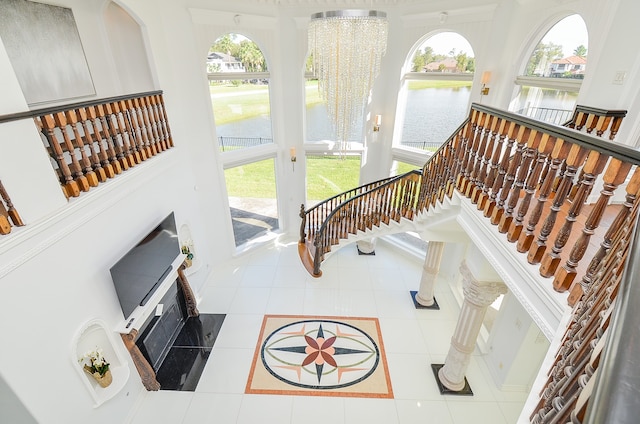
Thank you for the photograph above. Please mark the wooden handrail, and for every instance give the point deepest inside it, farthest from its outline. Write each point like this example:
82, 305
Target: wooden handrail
90, 142
9, 216
619, 151
338, 214
522, 173
601, 120
72, 106
495, 180
319, 212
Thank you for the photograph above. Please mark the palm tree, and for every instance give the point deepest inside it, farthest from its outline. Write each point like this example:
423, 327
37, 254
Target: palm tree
251, 56
580, 51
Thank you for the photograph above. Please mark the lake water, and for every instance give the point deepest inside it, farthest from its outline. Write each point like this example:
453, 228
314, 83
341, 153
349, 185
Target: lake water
431, 115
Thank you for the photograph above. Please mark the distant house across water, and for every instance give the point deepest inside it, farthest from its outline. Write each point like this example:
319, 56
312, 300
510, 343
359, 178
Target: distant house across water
447, 65
222, 62
568, 67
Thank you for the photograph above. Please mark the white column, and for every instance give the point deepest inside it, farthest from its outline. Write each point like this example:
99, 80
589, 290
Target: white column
478, 295
366, 247
430, 270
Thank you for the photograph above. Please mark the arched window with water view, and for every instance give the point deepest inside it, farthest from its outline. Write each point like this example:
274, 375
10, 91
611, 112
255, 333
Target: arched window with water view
239, 87
331, 166
550, 81
436, 90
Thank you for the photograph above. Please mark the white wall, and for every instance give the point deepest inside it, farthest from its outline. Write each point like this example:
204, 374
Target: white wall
516, 347
54, 271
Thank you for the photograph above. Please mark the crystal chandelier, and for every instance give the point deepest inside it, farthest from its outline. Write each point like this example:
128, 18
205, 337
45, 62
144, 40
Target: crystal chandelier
347, 46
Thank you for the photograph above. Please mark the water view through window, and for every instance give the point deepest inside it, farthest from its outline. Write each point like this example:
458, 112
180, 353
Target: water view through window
432, 114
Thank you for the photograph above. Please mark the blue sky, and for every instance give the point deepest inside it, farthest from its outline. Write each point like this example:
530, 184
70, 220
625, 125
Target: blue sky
569, 32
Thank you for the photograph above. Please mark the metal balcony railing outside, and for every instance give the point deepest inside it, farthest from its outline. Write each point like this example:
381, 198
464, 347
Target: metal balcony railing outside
234, 143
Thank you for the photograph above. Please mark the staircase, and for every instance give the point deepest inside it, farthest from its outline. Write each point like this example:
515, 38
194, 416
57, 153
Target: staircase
526, 176
532, 184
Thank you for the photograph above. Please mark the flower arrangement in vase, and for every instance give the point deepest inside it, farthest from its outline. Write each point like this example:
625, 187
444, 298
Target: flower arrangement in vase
95, 364
186, 250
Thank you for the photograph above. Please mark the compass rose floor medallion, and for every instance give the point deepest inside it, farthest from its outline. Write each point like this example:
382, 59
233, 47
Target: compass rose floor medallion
320, 356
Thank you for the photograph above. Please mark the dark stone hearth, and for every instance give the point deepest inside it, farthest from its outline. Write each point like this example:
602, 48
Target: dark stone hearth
187, 357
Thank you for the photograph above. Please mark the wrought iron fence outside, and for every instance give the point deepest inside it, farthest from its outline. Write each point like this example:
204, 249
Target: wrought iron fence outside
431, 146
234, 143
545, 114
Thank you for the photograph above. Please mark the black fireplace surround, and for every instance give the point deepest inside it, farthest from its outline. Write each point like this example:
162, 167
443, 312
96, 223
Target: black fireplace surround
177, 346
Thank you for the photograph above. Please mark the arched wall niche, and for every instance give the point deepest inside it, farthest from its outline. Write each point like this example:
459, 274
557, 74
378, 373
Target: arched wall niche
129, 49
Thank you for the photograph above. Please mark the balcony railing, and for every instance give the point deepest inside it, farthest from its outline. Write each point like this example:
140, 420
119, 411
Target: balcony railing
545, 114
91, 142
423, 145
234, 143
532, 181
9, 216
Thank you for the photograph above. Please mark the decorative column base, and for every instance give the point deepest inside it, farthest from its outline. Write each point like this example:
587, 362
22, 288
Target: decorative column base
416, 302
424, 298
444, 390
478, 295
366, 247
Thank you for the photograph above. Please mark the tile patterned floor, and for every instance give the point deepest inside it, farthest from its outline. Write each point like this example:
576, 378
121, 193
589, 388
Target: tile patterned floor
272, 281
320, 356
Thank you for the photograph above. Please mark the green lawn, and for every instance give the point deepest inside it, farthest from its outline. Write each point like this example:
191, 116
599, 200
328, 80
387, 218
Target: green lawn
327, 176
331, 175
403, 168
256, 179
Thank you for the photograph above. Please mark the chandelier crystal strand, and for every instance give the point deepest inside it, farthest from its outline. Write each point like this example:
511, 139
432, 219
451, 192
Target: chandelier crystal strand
347, 48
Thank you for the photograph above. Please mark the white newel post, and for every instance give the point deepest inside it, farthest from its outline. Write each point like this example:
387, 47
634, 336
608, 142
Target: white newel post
478, 295
430, 270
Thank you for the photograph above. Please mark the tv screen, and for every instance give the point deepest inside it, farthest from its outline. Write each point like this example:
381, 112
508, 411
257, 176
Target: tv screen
138, 274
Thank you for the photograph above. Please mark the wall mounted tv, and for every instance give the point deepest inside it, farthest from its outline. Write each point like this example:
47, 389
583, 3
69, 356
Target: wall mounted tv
141, 270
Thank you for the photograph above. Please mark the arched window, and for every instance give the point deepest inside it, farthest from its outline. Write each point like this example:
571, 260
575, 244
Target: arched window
239, 86
436, 91
549, 83
331, 166
434, 98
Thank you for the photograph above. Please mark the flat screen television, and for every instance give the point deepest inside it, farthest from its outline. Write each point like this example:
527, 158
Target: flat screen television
138, 274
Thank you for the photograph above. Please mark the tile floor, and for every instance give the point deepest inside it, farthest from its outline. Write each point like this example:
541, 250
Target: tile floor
272, 281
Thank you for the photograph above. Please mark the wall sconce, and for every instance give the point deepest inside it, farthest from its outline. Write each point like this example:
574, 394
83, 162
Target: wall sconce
443, 17
376, 123
292, 156
486, 77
